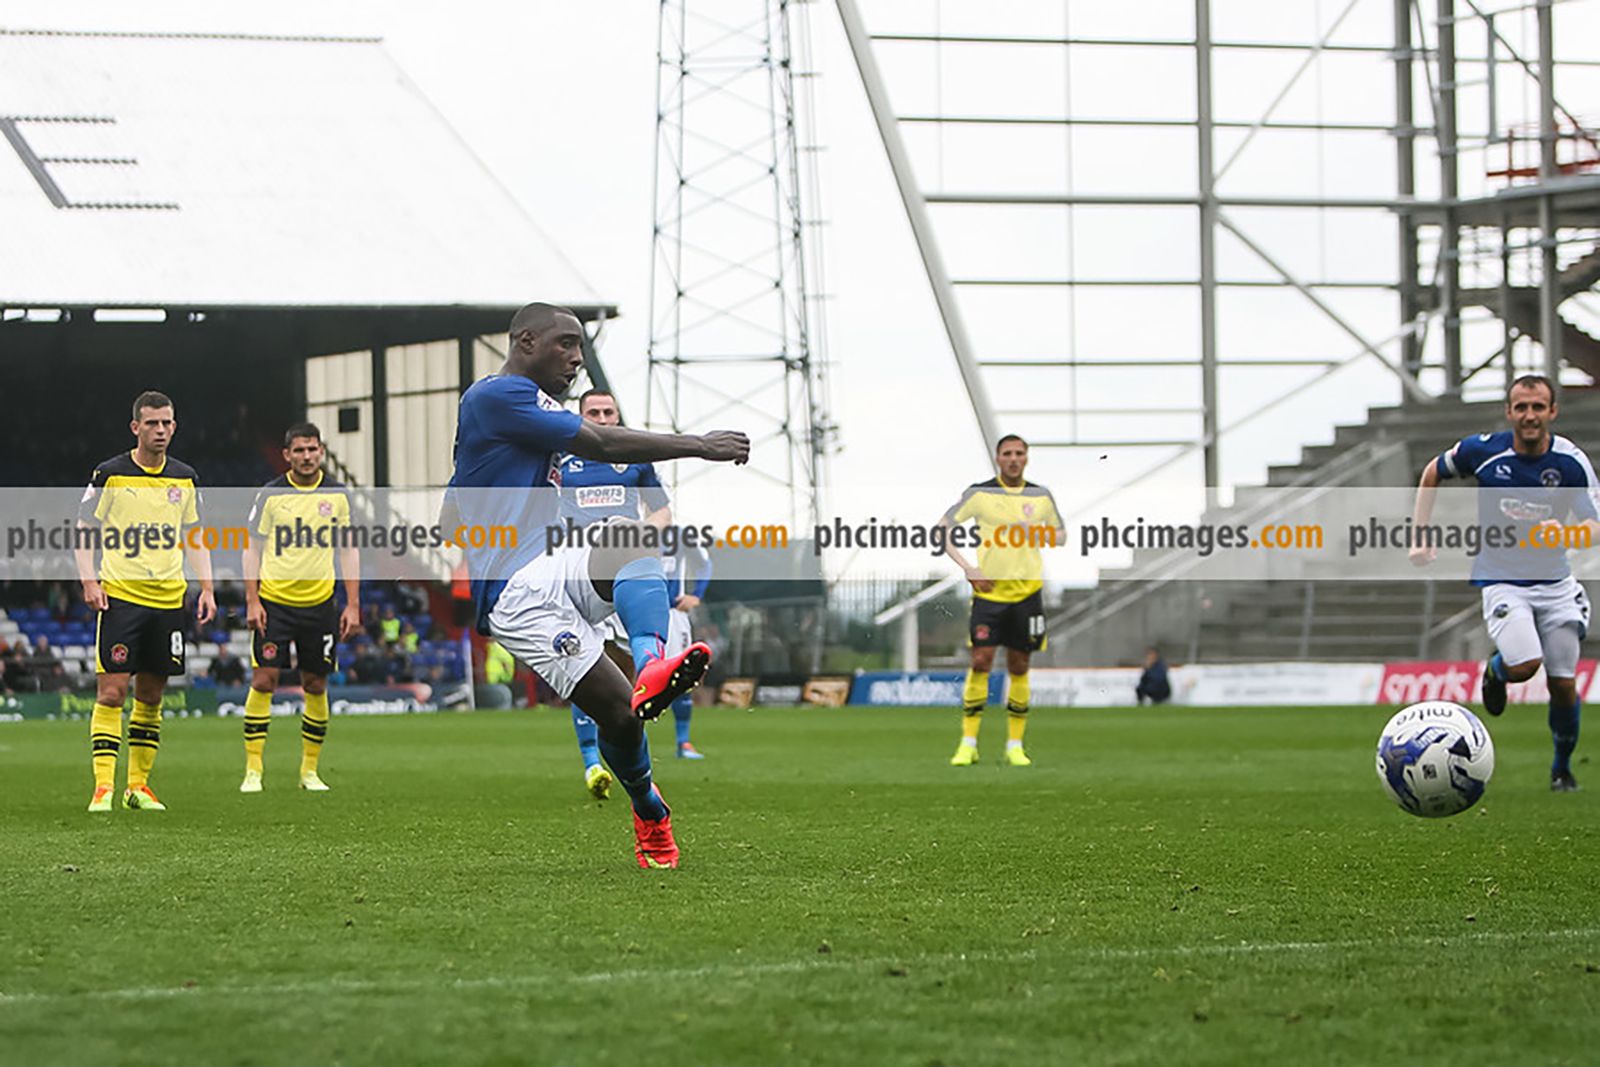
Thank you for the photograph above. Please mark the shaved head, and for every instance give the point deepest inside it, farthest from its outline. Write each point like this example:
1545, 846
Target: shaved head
537, 318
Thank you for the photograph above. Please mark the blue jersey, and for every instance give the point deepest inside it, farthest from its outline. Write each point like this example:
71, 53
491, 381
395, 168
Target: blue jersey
593, 490
508, 434
1519, 491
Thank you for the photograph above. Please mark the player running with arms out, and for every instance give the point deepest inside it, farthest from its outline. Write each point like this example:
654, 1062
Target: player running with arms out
1536, 611
139, 595
288, 591
546, 607
599, 492
1013, 517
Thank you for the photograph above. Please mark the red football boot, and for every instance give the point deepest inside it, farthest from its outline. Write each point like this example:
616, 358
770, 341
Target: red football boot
661, 681
652, 840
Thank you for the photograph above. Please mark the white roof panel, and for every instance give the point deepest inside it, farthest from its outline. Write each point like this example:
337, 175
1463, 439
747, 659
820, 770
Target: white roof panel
168, 169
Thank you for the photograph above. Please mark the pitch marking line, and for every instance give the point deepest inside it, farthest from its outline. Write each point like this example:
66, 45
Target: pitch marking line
348, 986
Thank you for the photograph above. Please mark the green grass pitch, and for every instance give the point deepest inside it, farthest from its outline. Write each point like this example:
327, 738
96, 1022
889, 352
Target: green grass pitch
1163, 886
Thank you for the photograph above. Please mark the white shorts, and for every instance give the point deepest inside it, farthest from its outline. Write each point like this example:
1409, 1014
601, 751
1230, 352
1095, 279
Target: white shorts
549, 616
679, 634
1528, 622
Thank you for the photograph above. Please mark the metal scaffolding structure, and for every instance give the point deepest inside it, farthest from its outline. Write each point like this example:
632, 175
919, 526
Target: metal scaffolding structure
735, 309
1221, 240
1265, 124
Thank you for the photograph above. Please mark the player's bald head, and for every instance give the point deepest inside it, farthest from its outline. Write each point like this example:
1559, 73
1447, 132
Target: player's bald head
537, 318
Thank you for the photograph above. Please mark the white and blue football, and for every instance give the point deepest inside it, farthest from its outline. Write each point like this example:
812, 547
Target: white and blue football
1435, 758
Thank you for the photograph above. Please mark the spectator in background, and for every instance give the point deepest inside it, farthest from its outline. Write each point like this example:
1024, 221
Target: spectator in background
368, 667
1153, 684
373, 623
389, 627
412, 600
227, 668
499, 671
48, 673
16, 677
397, 666
409, 640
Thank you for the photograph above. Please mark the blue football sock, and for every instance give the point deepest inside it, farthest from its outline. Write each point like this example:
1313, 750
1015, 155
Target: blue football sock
639, 592
1564, 733
1497, 668
631, 765
588, 737
682, 709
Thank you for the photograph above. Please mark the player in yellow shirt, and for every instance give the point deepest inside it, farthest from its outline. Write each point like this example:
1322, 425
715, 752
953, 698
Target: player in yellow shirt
1015, 519
139, 507
288, 589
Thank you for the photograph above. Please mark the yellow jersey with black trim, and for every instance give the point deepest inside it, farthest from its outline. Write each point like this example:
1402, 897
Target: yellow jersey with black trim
142, 513
299, 526
1015, 521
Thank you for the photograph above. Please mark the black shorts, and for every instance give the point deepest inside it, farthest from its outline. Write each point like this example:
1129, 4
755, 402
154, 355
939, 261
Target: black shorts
1019, 626
314, 631
130, 638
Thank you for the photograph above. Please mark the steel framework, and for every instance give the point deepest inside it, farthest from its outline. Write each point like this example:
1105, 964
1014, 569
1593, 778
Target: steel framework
1433, 271
735, 310
1513, 240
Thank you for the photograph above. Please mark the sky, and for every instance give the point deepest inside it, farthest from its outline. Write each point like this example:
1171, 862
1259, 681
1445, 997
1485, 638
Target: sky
558, 100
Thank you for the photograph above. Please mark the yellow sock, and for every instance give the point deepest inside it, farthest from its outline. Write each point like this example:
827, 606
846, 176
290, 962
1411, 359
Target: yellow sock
313, 730
144, 739
1017, 707
105, 741
257, 717
973, 696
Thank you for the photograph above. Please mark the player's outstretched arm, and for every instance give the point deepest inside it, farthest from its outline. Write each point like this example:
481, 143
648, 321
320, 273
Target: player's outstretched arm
619, 444
1422, 511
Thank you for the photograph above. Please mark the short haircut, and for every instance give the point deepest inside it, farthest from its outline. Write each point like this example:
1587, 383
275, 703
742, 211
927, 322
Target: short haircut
998, 445
536, 318
301, 429
150, 399
1532, 381
587, 393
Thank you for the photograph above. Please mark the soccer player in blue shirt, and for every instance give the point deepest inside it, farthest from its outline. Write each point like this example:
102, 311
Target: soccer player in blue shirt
595, 492
544, 602
1536, 611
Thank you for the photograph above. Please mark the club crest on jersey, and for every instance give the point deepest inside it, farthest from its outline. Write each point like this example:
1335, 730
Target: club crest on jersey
174, 495
269, 650
567, 644
119, 654
1027, 511
1549, 477
325, 509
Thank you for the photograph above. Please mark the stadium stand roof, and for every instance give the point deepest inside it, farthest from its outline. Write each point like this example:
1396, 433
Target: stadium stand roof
210, 171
